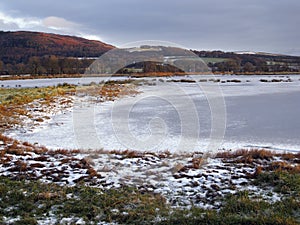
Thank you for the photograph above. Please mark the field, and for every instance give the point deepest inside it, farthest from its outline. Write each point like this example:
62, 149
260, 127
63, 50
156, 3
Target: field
61, 187
213, 60
39, 185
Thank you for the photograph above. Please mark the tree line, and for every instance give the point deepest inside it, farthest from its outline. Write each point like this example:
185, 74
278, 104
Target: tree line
46, 65
234, 63
243, 63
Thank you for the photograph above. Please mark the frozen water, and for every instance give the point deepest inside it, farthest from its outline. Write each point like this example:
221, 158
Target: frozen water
258, 115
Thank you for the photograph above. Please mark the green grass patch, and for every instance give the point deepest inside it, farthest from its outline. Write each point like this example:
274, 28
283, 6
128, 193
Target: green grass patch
213, 60
18, 96
284, 182
32, 201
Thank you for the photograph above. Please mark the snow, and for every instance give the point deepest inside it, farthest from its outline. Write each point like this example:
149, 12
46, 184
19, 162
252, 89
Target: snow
173, 176
245, 52
10, 220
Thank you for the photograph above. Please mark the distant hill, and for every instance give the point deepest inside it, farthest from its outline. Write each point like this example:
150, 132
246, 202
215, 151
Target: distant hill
39, 53
18, 47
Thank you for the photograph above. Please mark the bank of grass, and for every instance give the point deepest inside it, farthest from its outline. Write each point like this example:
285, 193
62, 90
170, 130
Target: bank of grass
20, 96
14, 102
32, 202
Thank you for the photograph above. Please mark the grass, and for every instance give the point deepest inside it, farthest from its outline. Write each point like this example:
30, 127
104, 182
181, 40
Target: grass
282, 181
247, 156
31, 201
15, 102
18, 96
213, 60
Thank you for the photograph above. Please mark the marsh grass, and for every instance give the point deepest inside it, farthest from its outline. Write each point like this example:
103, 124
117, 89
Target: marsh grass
33, 201
110, 90
14, 103
20, 96
283, 181
243, 154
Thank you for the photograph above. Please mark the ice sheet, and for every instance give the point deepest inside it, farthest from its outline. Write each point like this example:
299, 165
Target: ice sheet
259, 115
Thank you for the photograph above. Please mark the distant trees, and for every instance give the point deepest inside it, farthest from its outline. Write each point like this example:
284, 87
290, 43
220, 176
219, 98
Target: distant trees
230, 65
239, 63
34, 66
52, 65
221, 62
149, 67
47, 65
249, 67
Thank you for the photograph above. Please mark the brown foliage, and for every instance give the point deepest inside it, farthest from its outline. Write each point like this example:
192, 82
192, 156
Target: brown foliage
48, 196
247, 156
283, 166
20, 167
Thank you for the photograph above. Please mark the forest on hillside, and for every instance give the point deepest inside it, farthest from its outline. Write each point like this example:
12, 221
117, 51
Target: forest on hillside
37, 53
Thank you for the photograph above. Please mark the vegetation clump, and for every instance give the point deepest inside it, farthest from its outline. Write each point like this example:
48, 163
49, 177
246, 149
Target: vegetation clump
33, 202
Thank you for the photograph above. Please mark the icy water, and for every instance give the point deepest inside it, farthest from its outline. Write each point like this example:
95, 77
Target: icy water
182, 117
53, 82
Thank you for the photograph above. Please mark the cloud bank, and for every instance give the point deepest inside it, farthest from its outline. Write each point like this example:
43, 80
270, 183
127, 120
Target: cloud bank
257, 25
49, 24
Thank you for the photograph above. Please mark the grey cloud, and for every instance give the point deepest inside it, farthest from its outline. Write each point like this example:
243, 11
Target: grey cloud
259, 25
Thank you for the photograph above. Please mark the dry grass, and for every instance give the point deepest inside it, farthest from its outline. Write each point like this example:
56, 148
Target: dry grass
284, 166
15, 104
247, 156
108, 91
20, 166
62, 152
14, 147
292, 157
198, 162
48, 195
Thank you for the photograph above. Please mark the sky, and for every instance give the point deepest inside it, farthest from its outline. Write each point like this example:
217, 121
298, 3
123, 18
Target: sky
228, 25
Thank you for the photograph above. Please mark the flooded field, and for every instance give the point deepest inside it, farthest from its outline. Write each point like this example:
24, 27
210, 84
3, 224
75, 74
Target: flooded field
260, 112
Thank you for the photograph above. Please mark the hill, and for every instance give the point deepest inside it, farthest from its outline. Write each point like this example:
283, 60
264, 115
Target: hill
39, 53
18, 47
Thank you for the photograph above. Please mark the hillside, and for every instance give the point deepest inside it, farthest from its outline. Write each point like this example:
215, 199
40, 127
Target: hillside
18, 47
38, 53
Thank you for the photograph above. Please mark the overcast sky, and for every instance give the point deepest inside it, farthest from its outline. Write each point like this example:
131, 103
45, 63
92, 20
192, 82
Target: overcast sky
230, 25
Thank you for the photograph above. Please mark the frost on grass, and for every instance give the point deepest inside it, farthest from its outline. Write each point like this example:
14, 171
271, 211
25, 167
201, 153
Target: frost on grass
178, 178
146, 188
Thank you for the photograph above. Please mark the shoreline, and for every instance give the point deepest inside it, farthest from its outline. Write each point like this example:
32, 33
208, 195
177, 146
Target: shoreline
137, 75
